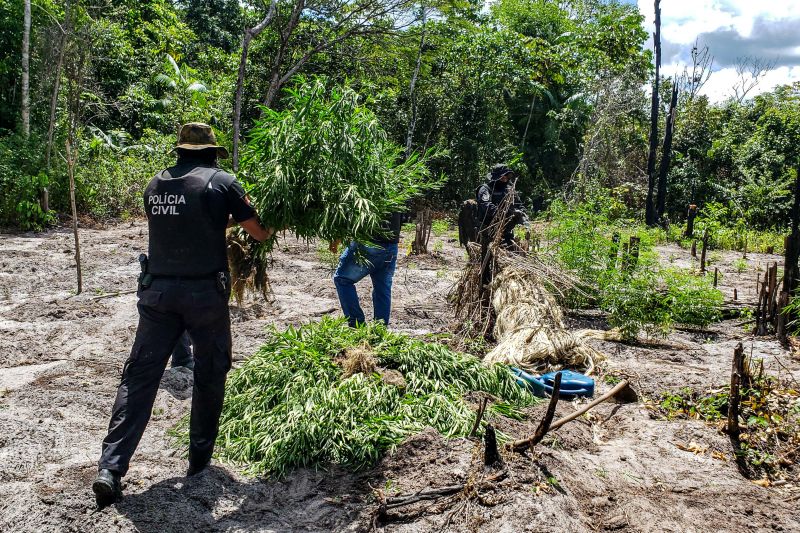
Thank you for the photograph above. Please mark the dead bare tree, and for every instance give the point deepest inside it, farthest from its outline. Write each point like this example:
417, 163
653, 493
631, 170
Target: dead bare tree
702, 63
750, 71
26, 69
342, 19
249, 35
666, 155
607, 158
650, 211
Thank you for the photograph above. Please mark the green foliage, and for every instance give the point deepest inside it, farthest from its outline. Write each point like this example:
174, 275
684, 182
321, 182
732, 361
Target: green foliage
440, 227
289, 405
22, 181
645, 297
30, 215
325, 168
111, 174
687, 403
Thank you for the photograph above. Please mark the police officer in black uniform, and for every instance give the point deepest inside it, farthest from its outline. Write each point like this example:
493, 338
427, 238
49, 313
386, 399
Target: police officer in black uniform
489, 197
185, 286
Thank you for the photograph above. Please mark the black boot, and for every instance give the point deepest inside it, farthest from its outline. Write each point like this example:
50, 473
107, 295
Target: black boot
106, 487
196, 468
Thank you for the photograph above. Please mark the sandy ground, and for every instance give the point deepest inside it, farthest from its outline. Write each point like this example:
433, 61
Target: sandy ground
618, 469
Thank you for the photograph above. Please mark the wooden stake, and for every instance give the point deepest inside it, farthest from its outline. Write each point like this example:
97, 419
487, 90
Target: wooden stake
694, 249
780, 320
491, 455
703, 253
716, 275
690, 220
735, 294
71, 157
737, 371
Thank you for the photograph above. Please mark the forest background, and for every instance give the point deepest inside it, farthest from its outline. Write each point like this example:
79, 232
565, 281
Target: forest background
558, 89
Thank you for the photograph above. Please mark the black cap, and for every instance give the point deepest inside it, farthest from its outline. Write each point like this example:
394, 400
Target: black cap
498, 171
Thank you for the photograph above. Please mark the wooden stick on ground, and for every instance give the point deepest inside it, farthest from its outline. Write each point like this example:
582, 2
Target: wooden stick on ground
544, 425
113, 294
557, 424
432, 494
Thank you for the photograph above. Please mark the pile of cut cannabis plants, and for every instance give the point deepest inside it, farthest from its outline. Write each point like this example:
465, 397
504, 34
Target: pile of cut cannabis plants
326, 393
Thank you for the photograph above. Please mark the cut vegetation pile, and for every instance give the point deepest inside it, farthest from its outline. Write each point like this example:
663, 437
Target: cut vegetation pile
509, 296
529, 325
323, 167
326, 393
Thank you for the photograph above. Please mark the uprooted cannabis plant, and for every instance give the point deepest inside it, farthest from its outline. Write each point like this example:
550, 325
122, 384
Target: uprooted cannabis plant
326, 393
324, 167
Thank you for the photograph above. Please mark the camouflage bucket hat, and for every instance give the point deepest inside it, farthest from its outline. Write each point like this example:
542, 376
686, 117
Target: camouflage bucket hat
199, 136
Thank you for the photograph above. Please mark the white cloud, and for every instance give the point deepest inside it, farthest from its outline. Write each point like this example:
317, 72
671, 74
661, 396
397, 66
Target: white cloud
768, 29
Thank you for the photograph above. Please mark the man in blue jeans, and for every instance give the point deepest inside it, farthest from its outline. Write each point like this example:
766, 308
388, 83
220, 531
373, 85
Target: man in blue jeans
378, 260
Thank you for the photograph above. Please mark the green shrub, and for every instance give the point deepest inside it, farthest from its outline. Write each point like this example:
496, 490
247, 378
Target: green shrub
645, 297
111, 174
440, 227
22, 179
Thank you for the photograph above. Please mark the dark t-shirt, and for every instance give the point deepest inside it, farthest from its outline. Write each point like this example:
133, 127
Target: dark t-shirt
390, 229
187, 208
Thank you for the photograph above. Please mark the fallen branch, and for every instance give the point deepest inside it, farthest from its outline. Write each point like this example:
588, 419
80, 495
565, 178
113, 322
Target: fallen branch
610, 394
432, 494
544, 425
113, 294
524, 443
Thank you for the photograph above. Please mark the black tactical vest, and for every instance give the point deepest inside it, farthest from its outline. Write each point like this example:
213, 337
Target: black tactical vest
185, 240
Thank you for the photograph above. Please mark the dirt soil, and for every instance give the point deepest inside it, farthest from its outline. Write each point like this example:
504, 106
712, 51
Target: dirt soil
618, 469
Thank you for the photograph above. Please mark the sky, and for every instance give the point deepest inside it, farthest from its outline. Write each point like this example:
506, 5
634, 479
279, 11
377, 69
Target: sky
732, 29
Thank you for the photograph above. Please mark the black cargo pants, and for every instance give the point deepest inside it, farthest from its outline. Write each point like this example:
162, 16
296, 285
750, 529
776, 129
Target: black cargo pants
167, 308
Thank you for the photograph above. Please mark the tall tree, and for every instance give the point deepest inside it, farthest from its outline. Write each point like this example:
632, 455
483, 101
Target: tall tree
328, 23
62, 48
650, 209
412, 121
249, 35
26, 70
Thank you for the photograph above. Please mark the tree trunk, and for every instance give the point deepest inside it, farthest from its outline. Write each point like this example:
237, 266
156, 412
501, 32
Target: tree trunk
650, 215
275, 79
690, 216
71, 160
249, 35
412, 123
51, 125
26, 70
666, 155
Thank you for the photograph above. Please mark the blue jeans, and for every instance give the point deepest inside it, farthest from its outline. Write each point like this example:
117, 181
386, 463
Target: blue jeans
355, 263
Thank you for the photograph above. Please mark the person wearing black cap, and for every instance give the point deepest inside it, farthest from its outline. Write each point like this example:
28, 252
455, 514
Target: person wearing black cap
184, 286
489, 197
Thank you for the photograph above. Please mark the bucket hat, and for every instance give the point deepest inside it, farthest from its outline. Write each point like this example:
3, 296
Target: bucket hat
199, 136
